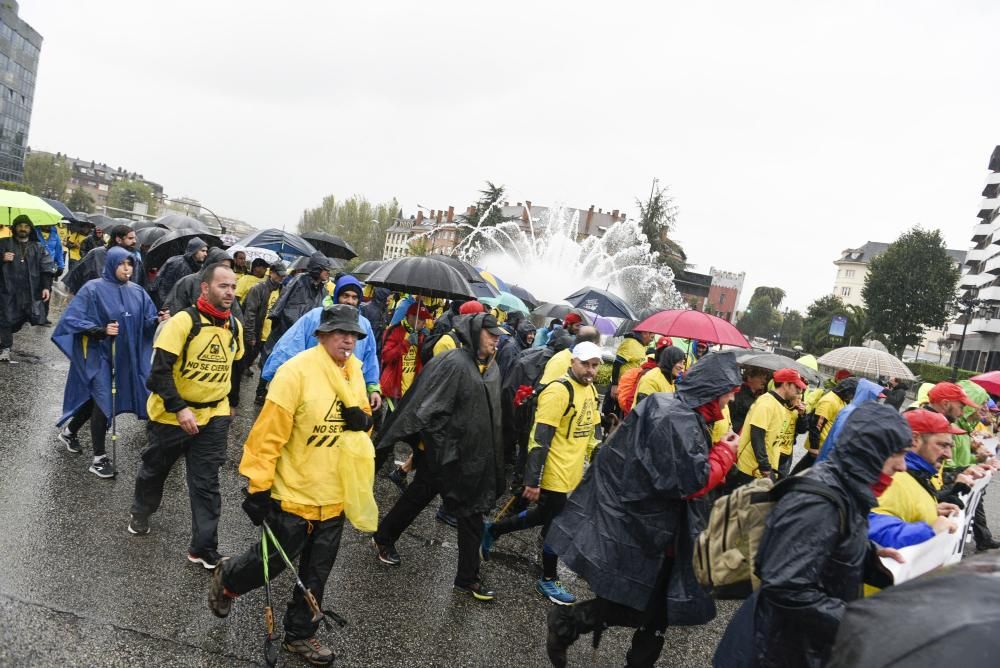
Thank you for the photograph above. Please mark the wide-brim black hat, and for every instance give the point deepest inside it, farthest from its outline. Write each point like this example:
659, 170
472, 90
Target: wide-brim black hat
341, 318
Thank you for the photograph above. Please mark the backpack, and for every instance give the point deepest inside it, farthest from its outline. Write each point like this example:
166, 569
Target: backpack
725, 552
427, 346
196, 325
525, 411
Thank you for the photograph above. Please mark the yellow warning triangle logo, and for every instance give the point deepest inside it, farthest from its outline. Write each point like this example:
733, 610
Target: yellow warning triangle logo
333, 415
213, 352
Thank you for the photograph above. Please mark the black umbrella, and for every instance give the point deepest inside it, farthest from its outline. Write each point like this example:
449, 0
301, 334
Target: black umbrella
177, 221
365, 268
100, 220
143, 224
547, 310
175, 243
147, 236
467, 271
484, 290
330, 245
299, 264
946, 618
773, 362
627, 326
66, 213
281, 242
601, 302
421, 276
524, 296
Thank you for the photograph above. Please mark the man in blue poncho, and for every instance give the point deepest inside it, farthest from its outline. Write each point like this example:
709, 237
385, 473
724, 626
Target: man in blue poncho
301, 336
108, 313
867, 391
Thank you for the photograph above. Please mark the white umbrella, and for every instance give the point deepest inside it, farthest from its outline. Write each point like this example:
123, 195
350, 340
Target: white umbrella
869, 362
253, 253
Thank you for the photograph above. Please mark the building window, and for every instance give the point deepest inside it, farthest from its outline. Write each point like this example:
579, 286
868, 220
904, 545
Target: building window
849, 273
722, 299
846, 292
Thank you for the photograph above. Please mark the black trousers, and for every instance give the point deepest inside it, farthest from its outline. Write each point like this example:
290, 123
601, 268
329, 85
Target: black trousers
599, 613
314, 543
203, 454
550, 504
980, 530
807, 461
6, 337
784, 464
98, 425
411, 503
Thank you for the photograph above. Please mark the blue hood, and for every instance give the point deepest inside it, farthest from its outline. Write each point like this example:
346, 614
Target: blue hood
867, 391
345, 281
115, 256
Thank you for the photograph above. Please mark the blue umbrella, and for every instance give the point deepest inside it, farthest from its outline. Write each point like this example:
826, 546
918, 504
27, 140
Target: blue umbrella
285, 244
602, 303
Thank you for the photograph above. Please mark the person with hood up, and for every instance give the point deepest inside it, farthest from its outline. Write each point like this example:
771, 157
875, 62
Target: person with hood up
302, 336
49, 236
308, 464
26, 271
76, 235
445, 323
451, 420
664, 377
631, 354
770, 428
628, 382
108, 315
630, 528
815, 553
823, 417
92, 265
187, 289
176, 268
864, 392
376, 310
300, 295
543, 334
401, 362
895, 393
524, 336
448, 339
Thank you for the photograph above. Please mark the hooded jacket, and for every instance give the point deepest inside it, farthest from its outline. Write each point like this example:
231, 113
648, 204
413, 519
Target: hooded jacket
828, 408
80, 336
375, 311
255, 308
453, 408
53, 244
908, 509
661, 378
962, 456
508, 353
92, 266
809, 566
187, 290
299, 296
174, 269
639, 500
865, 392
21, 293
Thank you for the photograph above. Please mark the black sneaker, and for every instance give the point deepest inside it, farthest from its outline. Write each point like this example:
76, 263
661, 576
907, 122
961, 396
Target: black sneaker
219, 602
398, 478
207, 558
103, 468
387, 553
138, 525
446, 518
71, 442
477, 591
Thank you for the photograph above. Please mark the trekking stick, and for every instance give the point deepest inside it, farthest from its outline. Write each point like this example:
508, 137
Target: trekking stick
507, 506
270, 649
114, 397
310, 599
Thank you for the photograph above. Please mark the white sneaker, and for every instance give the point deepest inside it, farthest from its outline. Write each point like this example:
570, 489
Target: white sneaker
4, 354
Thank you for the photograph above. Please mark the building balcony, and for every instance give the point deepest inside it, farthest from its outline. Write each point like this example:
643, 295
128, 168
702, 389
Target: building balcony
977, 326
982, 231
993, 178
988, 206
990, 294
992, 265
971, 281
977, 255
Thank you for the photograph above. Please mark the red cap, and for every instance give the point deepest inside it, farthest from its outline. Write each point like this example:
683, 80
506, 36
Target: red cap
664, 342
789, 376
572, 319
949, 392
841, 375
928, 422
471, 307
424, 313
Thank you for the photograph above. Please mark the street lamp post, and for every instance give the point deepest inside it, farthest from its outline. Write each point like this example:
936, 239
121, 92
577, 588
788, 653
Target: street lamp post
967, 306
222, 226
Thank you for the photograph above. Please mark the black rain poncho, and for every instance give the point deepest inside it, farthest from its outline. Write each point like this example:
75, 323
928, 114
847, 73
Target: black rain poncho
187, 290
507, 355
173, 270
455, 411
92, 266
633, 507
301, 295
22, 281
809, 569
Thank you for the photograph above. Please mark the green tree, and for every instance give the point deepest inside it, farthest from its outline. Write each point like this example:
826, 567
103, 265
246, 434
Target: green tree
816, 326
47, 175
774, 295
420, 247
80, 200
657, 218
126, 193
791, 327
486, 212
358, 221
760, 319
910, 288
19, 187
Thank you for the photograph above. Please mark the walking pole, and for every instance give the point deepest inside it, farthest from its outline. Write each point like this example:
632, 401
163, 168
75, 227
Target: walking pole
310, 599
270, 649
114, 396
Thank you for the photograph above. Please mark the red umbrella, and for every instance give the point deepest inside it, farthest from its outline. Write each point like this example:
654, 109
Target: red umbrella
988, 381
693, 325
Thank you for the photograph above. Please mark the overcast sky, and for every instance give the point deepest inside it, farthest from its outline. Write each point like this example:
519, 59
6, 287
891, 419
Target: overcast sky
787, 131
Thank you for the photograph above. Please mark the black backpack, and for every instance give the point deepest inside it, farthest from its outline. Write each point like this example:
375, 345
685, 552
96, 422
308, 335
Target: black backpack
427, 347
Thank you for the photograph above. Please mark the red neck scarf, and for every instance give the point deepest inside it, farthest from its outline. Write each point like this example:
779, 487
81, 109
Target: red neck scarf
881, 484
710, 411
211, 311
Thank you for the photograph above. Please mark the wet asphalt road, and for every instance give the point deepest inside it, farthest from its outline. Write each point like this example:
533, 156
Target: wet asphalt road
76, 589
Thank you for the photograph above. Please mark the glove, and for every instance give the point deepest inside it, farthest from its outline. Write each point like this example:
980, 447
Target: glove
413, 338
258, 506
356, 419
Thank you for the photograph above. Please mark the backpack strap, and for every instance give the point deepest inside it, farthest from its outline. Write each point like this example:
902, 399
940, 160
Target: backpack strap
196, 325
801, 483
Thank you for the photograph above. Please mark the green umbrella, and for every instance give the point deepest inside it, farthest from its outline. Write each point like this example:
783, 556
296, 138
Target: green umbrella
14, 203
506, 302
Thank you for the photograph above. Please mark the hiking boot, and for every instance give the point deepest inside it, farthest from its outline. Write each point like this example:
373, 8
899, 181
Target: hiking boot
70, 440
4, 354
138, 525
477, 591
387, 553
219, 602
556, 642
398, 478
990, 544
207, 558
446, 518
554, 591
102, 468
310, 649
486, 544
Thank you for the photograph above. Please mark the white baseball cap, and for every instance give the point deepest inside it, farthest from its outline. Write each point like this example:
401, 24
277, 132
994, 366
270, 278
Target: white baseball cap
587, 351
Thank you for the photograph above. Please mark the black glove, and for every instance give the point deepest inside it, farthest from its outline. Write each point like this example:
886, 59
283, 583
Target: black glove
356, 419
258, 506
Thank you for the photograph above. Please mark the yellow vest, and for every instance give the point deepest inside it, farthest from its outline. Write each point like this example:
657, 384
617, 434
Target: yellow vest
654, 381
771, 415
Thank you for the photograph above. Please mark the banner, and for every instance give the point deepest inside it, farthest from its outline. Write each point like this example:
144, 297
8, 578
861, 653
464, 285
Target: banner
838, 325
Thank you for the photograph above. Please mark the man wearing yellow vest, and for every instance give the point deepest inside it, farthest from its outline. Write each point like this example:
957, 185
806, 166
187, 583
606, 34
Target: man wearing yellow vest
309, 462
559, 364
767, 428
188, 410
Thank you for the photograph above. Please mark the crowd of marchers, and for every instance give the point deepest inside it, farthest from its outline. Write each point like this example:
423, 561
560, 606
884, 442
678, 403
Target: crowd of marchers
504, 423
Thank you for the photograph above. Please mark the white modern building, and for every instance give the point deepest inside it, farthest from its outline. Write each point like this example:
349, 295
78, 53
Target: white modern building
852, 270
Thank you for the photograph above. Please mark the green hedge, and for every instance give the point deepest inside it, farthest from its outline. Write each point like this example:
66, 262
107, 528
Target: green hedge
935, 373
603, 378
